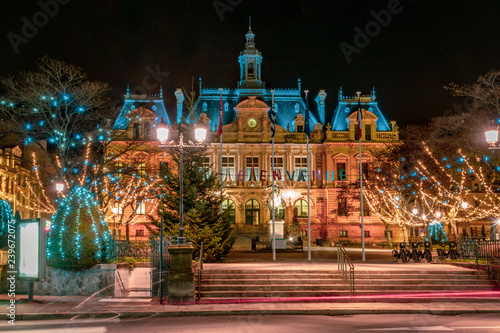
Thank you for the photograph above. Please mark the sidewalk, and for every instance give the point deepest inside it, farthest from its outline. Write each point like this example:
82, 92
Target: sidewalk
67, 307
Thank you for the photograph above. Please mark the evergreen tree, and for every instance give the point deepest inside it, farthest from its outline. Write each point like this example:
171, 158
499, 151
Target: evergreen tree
79, 237
203, 221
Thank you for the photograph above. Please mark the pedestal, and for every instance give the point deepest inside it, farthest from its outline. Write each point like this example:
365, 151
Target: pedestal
278, 229
180, 275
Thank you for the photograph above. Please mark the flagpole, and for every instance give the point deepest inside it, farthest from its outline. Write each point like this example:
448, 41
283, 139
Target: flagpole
360, 131
220, 139
307, 131
272, 173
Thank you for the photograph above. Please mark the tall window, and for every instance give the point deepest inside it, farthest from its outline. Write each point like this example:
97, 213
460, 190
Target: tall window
163, 169
228, 169
301, 166
356, 137
301, 206
300, 128
136, 131
252, 169
278, 168
229, 205
342, 206
366, 170
341, 172
252, 212
141, 169
205, 163
147, 131
141, 209
368, 132
366, 209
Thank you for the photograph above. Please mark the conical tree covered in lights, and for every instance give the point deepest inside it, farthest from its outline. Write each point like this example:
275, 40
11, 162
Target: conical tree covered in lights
6, 216
79, 236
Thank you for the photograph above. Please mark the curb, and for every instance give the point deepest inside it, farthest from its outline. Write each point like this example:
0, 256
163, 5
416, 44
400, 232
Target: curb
196, 313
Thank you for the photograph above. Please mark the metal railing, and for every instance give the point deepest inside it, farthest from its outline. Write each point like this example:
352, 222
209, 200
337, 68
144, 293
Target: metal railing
478, 249
200, 270
345, 264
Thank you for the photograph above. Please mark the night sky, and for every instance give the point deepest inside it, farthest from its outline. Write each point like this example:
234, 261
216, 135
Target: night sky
426, 45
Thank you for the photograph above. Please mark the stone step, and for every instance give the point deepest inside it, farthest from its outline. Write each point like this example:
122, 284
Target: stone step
330, 287
358, 272
339, 280
337, 275
400, 298
313, 293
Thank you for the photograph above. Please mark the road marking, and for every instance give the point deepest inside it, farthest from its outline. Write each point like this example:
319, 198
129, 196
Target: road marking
73, 330
126, 300
416, 328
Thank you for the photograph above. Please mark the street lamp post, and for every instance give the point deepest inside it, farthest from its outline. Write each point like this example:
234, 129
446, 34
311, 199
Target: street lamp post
200, 134
465, 204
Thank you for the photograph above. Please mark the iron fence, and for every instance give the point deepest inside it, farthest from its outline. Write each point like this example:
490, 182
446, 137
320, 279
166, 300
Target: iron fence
478, 249
119, 249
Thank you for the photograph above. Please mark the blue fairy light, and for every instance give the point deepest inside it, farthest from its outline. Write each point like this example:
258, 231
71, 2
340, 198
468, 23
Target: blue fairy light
27, 126
445, 158
66, 97
54, 103
81, 109
448, 166
461, 159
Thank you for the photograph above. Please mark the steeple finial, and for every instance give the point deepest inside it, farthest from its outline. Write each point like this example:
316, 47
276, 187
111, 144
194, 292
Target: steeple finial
299, 84
340, 93
128, 90
373, 93
161, 90
249, 22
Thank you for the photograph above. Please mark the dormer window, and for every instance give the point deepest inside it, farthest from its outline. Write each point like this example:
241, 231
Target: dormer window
136, 131
226, 107
296, 107
300, 128
205, 106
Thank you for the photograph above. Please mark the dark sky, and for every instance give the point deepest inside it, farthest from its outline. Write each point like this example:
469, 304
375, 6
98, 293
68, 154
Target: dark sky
426, 45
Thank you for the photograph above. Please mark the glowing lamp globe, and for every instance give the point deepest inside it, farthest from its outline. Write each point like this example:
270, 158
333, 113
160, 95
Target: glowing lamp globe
162, 131
59, 186
414, 211
200, 134
465, 205
438, 214
491, 136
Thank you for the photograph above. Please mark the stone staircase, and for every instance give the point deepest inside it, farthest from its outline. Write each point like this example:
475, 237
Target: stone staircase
217, 285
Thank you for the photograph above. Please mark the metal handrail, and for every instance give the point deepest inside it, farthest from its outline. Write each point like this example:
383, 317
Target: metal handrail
200, 269
343, 261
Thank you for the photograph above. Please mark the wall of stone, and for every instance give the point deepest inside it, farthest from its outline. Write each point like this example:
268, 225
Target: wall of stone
60, 282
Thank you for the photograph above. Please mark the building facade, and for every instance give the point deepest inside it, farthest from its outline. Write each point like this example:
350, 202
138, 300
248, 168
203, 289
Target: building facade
246, 158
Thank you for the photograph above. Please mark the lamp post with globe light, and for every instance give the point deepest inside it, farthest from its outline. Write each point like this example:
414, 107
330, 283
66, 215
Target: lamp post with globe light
200, 134
162, 132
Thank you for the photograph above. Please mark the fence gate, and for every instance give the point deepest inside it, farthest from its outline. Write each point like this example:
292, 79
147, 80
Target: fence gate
155, 264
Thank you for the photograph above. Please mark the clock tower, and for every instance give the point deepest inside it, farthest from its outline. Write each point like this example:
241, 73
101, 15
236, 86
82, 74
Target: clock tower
250, 60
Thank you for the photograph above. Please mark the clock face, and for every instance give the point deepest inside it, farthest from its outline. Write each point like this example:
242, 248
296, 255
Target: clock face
252, 122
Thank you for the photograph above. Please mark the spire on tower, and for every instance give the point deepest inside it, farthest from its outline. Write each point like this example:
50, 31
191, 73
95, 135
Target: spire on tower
128, 90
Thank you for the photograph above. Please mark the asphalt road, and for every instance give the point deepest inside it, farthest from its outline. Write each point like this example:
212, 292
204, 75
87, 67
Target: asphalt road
275, 324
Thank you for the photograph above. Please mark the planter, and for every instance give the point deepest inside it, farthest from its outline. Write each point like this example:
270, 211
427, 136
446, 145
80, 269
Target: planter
323, 242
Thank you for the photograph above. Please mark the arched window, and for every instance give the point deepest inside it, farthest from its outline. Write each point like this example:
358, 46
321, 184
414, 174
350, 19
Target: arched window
301, 206
252, 212
229, 205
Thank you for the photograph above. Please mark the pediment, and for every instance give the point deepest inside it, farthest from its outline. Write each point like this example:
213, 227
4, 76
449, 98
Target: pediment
365, 114
142, 113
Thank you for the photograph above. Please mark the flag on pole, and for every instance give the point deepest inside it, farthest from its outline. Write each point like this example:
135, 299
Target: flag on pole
360, 117
221, 113
273, 120
307, 129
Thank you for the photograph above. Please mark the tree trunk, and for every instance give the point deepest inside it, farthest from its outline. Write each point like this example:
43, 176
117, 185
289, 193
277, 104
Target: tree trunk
388, 234
127, 232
